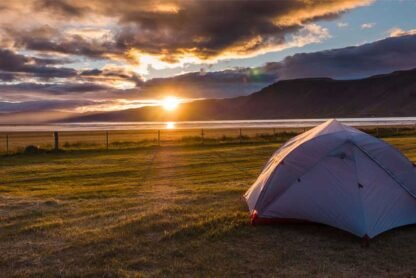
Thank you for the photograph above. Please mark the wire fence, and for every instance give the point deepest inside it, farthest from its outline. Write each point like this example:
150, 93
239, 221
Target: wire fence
15, 142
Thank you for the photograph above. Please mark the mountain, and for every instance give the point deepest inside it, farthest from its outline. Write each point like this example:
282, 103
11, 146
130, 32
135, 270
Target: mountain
389, 95
352, 62
34, 117
222, 84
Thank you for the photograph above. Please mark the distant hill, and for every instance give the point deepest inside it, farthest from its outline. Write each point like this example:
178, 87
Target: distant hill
389, 95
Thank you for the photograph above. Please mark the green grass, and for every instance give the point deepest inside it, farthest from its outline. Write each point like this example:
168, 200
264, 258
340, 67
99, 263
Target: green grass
169, 211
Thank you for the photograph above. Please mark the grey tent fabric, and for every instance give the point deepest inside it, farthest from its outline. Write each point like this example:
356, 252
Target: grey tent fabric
337, 175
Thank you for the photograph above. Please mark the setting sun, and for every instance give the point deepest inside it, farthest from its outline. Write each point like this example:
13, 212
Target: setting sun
170, 103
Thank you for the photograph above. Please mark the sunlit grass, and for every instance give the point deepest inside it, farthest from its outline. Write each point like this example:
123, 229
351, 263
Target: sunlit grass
168, 211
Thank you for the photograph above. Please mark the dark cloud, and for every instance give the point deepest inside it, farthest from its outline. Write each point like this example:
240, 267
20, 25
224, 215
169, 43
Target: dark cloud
7, 77
202, 28
60, 7
52, 89
74, 88
14, 66
43, 61
387, 55
210, 28
13, 63
48, 39
91, 72
42, 105
114, 74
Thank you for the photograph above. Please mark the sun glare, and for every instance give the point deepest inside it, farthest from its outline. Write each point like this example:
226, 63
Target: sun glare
170, 103
170, 125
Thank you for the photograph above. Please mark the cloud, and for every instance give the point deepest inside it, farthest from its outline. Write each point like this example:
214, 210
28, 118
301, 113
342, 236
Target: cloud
7, 76
21, 92
368, 25
15, 67
68, 97
172, 31
97, 44
387, 55
390, 54
222, 84
94, 53
202, 31
342, 24
59, 7
397, 32
44, 105
13, 64
113, 75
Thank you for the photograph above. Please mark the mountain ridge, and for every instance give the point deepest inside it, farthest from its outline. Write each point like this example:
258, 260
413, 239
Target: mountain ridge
386, 95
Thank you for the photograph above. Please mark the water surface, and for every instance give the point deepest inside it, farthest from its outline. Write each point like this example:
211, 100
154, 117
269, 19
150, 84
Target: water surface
286, 123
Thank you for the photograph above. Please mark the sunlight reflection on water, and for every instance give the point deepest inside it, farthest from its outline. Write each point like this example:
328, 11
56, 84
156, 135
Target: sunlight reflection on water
283, 123
170, 125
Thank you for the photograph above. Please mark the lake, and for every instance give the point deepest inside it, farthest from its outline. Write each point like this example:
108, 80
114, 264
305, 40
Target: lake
286, 123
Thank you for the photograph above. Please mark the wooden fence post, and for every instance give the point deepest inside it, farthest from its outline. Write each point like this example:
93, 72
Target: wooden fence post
158, 137
7, 143
202, 136
106, 139
56, 141
240, 136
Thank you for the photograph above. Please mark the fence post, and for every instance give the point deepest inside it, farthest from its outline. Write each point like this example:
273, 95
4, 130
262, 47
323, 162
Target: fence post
7, 143
56, 141
240, 136
202, 136
158, 137
106, 139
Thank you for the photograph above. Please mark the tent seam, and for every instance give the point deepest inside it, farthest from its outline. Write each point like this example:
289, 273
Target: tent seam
265, 187
359, 190
307, 171
386, 170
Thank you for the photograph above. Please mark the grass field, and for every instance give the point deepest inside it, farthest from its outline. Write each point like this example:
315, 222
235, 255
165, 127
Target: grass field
13, 142
169, 211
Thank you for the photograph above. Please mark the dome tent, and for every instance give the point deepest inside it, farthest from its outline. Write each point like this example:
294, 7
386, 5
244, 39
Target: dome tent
339, 176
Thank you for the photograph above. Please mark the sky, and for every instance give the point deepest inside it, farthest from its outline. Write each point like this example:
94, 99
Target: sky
97, 55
